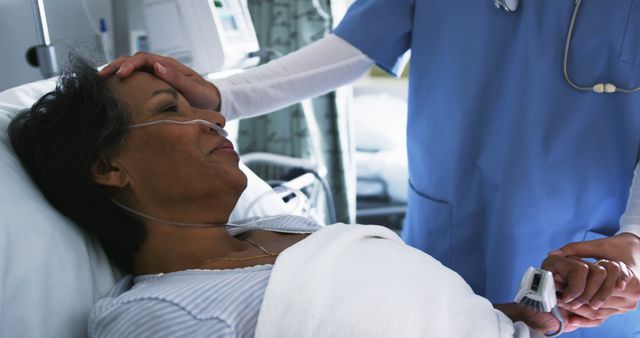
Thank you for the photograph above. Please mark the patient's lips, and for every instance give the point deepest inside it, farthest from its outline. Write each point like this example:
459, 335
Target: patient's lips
225, 147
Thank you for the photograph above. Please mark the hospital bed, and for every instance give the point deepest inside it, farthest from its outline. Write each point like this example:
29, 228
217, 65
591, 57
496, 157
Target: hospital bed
51, 272
381, 156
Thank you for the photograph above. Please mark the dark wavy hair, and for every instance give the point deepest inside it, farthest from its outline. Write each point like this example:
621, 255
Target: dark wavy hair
58, 140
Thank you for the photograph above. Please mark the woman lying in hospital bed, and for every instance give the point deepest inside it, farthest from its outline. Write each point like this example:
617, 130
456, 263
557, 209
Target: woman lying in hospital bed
155, 179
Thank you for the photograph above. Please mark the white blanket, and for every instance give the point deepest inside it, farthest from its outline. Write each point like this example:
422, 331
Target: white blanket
363, 281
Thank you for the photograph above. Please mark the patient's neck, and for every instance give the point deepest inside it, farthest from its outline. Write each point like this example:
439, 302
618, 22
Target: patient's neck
173, 248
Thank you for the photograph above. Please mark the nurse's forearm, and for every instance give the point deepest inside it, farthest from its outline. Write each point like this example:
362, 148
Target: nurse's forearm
311, 71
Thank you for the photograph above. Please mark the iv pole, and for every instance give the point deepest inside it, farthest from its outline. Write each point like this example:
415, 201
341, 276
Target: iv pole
42, 55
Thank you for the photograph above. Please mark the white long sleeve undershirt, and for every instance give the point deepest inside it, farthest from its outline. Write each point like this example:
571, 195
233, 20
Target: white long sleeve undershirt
311, 71
630, 220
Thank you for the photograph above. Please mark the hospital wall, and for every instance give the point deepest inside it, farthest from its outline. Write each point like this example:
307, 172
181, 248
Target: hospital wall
69, 27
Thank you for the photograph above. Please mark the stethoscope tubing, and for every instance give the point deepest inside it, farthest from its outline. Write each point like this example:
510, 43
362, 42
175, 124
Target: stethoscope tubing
598, 87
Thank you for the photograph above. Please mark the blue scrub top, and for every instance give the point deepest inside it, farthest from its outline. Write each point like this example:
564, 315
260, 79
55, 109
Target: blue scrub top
506, 160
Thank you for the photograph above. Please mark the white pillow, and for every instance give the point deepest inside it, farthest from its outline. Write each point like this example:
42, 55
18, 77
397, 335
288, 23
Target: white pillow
51, 272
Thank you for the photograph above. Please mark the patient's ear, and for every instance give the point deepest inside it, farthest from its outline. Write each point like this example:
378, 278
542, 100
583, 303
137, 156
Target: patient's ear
109, 174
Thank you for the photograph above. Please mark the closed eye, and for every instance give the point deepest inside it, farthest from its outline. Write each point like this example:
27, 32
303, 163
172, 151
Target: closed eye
169, 109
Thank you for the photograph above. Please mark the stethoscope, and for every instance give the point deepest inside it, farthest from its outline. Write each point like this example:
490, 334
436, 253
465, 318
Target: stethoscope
608, 88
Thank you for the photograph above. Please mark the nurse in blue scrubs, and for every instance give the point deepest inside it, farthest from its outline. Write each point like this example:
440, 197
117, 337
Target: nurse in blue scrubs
507, 160
515, 147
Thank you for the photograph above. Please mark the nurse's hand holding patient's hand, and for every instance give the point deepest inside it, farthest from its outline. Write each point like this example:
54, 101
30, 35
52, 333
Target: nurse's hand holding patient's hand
619, 292
578, 284
198, 91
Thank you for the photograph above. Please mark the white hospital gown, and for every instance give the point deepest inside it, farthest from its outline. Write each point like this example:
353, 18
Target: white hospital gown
191, 303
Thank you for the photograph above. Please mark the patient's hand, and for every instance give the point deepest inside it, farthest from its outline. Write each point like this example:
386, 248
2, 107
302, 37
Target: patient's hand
618, 292
198, 91
542, 322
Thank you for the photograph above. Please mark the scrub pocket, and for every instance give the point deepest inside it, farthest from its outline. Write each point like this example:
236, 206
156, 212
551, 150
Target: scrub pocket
605, 46
630, 51
428, 225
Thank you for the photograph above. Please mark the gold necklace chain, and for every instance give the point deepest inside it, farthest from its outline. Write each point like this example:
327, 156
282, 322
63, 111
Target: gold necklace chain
266, 253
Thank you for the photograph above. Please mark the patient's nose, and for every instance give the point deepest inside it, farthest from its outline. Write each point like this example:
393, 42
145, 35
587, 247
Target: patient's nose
219, 119
211, 116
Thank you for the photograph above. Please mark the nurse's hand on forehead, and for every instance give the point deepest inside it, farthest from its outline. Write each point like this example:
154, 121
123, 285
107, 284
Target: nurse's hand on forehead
198, 91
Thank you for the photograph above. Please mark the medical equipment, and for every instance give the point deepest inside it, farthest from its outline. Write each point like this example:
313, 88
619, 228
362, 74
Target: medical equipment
297, 203
507, 5
314, 173
42, 55
598, 87
537, 291
105, 40
207, 35
212, 126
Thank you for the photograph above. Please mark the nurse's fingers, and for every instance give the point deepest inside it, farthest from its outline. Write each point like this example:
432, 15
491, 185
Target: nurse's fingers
199, 92
560, 282
577, 321
124, 66
596, 248
620, 303
568, 327
112, 67
625, 276
609, 285
595, 282
567, 318
588, 313
573, 321
575, 273
585, 316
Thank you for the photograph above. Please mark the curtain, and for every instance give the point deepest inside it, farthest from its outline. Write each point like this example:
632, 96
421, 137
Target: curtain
285, 26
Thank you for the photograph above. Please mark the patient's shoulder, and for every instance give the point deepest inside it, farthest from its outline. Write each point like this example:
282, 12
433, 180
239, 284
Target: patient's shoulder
208, 299
152, 318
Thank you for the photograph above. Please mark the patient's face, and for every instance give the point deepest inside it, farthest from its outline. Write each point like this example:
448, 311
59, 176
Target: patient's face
175, 169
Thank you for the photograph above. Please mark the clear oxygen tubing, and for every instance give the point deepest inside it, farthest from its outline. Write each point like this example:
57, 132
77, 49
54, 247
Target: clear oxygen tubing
299, 196
281, 191
598, 87
212, 126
